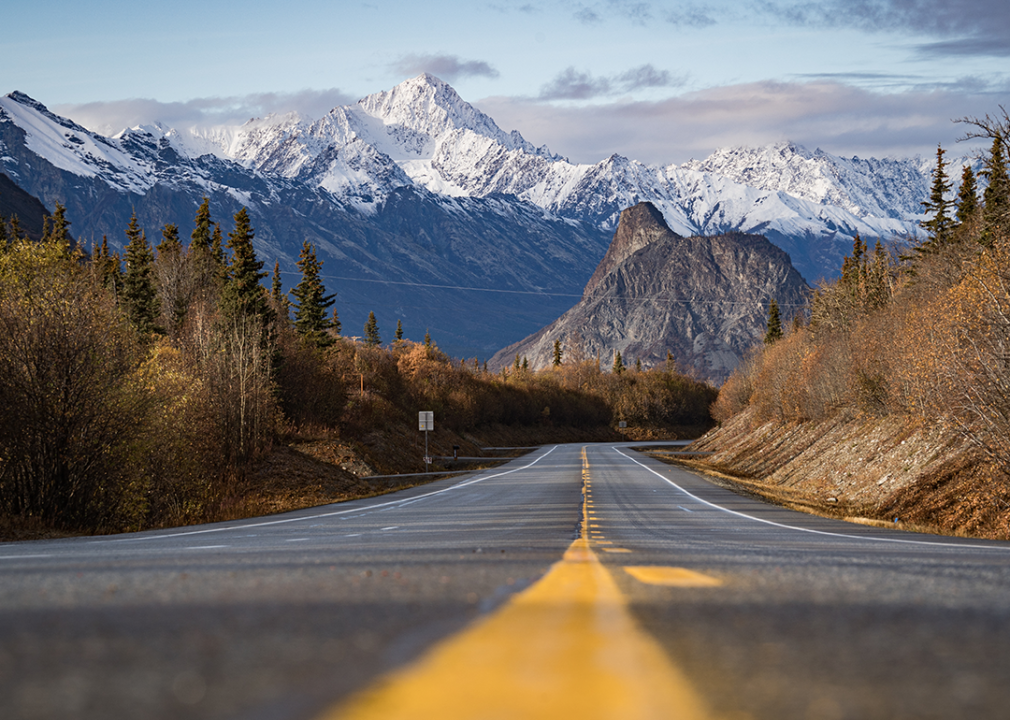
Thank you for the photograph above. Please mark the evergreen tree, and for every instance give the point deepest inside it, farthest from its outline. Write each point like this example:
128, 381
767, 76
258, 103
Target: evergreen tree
57, 228
4, 241
774, 323
517, 365
201, 235
139, 297
169, 244
427, 339
372, 331
940, 225
243, 293
996, 198
638, 364
15, 230
618, 363
277, 290
108, 268
311, 300
399, 330
967, 196
526, 364
217, 244
557, 353
335, 323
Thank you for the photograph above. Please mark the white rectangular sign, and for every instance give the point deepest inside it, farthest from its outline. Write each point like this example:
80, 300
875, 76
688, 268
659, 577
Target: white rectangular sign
426, 420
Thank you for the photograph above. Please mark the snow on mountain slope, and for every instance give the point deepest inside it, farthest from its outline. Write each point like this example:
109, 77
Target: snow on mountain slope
422, 133
883, 188
70, 147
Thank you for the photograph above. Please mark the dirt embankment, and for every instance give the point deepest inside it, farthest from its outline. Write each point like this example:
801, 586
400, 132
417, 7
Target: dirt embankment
866, 469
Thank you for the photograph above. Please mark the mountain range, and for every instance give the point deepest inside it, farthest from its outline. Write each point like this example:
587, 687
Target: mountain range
424, 210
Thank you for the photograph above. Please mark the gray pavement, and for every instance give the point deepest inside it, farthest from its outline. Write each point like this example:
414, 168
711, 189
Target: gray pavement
279, 617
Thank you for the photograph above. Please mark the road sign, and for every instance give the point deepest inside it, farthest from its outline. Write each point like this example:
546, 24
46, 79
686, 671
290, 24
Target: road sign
426, 420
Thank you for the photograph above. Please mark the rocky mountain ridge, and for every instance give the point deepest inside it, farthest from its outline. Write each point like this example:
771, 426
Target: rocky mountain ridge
702, 299
469, 189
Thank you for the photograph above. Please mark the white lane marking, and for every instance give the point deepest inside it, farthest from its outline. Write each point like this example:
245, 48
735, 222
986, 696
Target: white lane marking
871, 538
684, 508
296, 540
354, 535
335, 513
205, 547
391, 527
21, 557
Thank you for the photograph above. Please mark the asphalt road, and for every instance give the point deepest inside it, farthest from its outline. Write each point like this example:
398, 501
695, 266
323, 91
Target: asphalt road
793, 617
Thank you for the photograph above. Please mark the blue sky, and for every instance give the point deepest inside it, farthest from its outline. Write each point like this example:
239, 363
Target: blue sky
656, 81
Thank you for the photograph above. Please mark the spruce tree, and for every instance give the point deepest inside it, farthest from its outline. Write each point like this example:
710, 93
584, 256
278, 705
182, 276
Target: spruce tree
940, 225
774, 332
967, 196
618, 363
427, 339
335, 323
638, 364
200, 239
243, 293
557, 353
399, 330
996, 198
57, 228
372, 331
277, 289
140, 298
169, 244
311, 300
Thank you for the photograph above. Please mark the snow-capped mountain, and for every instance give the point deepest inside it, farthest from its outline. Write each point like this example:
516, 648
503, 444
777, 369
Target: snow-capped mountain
422, 133
342, 179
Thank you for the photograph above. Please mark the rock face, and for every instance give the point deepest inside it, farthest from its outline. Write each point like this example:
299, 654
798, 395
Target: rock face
703, 299
15, 202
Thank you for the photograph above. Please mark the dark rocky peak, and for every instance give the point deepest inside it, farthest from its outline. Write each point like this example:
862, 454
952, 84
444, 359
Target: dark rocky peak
639, 226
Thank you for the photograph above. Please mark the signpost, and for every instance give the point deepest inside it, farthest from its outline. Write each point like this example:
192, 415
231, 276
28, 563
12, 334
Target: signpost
426, 422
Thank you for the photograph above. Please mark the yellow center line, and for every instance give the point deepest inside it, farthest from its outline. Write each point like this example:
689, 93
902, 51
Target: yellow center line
671, 576
567, 646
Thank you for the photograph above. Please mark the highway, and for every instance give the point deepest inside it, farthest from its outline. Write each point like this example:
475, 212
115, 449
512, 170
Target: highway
584, 581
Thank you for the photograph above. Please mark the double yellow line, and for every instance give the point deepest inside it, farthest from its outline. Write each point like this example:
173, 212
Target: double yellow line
566, 647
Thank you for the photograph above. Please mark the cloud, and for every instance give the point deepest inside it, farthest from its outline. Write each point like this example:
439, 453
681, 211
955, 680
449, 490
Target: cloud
447, 67
837, 117
572, 84
693, 16
588, 16
108, 118
963, 27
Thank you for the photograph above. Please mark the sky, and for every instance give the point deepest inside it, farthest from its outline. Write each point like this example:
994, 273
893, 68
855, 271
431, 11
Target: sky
657, 81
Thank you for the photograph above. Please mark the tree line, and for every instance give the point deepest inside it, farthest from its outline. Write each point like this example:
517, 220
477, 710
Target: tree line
922, 332
142, 386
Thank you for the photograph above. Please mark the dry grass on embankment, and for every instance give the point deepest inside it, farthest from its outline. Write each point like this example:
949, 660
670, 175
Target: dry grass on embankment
881, 471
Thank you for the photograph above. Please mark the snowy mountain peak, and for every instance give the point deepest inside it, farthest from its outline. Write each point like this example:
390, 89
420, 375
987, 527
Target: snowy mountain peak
430, 107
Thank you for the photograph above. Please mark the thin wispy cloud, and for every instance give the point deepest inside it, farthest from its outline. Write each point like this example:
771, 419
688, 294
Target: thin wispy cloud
835, 116
110, 117
572, 84
962, 28
690, 16
447, 67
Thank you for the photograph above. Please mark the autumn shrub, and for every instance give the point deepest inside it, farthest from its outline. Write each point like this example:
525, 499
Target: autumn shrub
66, 358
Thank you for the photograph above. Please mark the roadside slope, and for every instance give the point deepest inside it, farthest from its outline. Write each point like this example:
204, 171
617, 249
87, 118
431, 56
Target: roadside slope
889, 469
